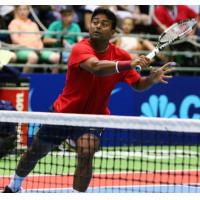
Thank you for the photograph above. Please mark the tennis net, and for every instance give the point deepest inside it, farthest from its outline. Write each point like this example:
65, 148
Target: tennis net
136, 154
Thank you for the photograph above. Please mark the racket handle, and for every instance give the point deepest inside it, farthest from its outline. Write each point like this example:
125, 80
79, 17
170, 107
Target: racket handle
138, 68
153, 53
150, 56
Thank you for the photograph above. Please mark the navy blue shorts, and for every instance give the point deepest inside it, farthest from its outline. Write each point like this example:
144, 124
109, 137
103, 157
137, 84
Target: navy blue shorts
55, 134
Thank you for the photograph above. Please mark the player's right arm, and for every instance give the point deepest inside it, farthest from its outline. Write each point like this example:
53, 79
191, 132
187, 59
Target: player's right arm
106, 67
84, 57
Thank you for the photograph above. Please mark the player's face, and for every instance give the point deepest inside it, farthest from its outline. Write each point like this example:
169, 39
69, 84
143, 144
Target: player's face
23, 11
101, 28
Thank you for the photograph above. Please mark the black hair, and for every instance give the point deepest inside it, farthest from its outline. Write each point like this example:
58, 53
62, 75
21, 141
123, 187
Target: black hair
109, 14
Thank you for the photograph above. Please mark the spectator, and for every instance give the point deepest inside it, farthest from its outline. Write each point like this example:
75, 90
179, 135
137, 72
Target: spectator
166, 15
86, 20
4, 37
6, 13
85, 15
126, 42
66, 26
22, 23
133, 43
196, 8
143, 19
139, 13
46, 13
198, 28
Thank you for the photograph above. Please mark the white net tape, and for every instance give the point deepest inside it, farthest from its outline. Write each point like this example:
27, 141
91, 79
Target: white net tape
102, 121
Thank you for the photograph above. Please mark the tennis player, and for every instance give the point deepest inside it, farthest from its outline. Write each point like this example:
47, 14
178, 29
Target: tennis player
94, 68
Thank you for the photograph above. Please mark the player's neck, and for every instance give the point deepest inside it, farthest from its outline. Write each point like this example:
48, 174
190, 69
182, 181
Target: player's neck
99, 46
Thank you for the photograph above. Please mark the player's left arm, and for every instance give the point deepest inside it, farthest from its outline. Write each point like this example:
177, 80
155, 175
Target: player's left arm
156, 76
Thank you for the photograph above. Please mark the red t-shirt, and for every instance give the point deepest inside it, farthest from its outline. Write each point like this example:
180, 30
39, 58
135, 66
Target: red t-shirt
183, 12
85, 92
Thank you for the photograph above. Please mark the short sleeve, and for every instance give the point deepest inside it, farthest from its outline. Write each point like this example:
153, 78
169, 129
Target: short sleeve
52, 28
80, 53
13, 26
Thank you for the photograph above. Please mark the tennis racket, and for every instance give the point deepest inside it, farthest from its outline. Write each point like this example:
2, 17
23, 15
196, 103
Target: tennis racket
175, 32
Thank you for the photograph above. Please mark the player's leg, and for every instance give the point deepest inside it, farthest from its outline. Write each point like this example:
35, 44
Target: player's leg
35, 152
38, 149
87, 145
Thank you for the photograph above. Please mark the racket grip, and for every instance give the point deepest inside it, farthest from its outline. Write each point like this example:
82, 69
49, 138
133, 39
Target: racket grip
150, 56
138, 68
153, 53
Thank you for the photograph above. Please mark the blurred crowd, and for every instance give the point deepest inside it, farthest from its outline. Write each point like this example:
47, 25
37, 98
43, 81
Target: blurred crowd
47, 46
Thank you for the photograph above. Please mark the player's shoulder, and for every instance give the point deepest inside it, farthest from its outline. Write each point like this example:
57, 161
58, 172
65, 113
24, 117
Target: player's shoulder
160, 8
120, 53
84, 43
184, 8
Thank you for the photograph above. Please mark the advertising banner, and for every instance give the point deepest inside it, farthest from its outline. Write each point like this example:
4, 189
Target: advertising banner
18, 94
180, 98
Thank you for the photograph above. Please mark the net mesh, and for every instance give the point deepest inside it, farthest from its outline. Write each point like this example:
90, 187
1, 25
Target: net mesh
177, 30
136, 154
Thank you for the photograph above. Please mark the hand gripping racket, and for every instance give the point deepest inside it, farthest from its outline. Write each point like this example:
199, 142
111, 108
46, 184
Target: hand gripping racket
175, 32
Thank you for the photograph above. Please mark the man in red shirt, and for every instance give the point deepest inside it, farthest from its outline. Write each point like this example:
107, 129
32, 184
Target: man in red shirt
166, 15
94, 68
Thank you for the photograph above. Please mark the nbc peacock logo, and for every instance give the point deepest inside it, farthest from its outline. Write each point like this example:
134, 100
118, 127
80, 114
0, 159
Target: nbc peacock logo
158, 106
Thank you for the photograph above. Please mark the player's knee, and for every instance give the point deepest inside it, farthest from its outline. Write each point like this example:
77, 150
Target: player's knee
87, 145
85, 152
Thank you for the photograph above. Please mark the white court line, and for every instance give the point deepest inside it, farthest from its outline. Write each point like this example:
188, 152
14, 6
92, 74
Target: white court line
149, 154
116, 172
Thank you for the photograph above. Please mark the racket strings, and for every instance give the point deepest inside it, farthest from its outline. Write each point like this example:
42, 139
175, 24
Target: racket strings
175, 31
